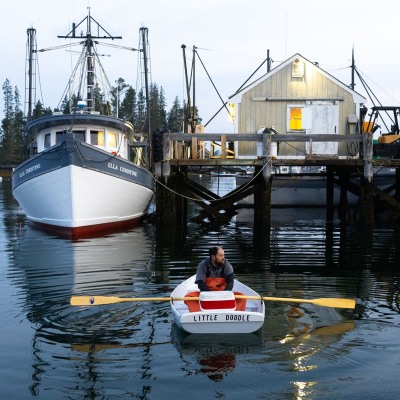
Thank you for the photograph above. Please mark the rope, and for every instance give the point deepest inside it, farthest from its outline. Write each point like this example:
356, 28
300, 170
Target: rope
211, 200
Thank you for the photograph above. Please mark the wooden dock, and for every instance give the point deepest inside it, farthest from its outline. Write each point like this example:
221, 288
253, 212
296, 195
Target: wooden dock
182, 152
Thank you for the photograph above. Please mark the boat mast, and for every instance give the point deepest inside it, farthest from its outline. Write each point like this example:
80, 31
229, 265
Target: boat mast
191, 117
90, 53
144, 32
194, 116
30, 79
353, 67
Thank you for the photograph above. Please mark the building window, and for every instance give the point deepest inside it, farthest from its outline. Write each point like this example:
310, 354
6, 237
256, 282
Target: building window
297, 69
295, 118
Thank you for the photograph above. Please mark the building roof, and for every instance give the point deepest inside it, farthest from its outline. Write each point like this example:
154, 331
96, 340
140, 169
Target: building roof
235, 98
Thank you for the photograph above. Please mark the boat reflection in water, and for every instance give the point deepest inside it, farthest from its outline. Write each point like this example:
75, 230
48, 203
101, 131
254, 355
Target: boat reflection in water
214, 355
50, 269
291, 338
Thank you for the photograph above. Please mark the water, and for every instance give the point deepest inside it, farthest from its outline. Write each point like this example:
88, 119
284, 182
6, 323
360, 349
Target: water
51, 350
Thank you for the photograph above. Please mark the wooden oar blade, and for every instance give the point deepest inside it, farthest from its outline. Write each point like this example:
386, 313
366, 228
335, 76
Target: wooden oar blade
335, 302
94, 300
101, 300
325, 302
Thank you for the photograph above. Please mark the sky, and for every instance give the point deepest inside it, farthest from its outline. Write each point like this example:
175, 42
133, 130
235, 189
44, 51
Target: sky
232, 40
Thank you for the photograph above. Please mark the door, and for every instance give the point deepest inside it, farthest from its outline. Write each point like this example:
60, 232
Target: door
324, 120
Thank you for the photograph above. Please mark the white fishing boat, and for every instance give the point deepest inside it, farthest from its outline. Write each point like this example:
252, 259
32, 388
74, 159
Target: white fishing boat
81, 178
218, 313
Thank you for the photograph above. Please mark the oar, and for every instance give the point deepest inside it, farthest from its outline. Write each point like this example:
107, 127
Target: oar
325, 301
100, 300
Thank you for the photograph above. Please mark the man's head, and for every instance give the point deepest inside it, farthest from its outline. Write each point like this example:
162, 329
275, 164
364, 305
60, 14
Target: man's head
217, 256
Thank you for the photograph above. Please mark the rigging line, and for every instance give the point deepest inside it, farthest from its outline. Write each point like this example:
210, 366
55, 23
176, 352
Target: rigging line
233, 54
79, 91
380, 87
241, 87
103, 71
40, 82
366, 85
69, 83
205, 69
237, 91
116, 46
63, 46
367, 88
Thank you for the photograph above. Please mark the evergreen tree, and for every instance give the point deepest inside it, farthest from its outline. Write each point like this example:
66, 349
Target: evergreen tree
175, 116
128, 106
154, 106
141, 124
20, 144
163, 109
116, 94
64, 108
12, 126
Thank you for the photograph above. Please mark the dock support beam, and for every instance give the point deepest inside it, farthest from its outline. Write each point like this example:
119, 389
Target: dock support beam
367, 187
171, 208
262, 194
330, 186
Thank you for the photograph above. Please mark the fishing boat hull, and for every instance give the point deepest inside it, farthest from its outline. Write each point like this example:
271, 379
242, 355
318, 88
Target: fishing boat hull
217, 321
78, 189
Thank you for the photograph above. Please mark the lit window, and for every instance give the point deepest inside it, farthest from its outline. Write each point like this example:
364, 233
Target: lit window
111, 139
295, 118
97, 138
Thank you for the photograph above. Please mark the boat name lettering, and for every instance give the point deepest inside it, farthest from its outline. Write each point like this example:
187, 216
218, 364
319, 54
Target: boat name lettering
29, 170
122, 169
205, 317
112, 166
127, 171
237, 317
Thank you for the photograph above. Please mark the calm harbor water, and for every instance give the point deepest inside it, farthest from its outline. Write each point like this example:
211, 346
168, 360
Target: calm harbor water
51, 350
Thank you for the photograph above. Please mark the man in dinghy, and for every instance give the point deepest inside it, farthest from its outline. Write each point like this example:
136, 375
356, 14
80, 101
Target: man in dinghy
214, 273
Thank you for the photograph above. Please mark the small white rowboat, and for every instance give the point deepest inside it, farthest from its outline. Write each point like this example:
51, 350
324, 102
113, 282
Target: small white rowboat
217, 310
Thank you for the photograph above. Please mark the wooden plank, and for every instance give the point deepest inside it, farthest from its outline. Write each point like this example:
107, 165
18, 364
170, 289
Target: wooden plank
253, 137
223, 146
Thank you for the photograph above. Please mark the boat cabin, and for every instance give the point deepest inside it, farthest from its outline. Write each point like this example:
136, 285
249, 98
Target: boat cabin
91, 129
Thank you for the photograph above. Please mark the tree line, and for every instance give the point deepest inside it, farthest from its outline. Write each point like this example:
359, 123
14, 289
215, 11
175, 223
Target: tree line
124, 102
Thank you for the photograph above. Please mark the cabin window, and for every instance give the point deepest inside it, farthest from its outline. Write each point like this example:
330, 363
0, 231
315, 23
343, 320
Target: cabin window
80, 135
59, 137
111, 139
97, 138
47, 140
